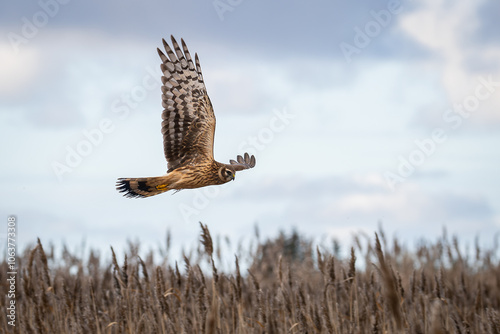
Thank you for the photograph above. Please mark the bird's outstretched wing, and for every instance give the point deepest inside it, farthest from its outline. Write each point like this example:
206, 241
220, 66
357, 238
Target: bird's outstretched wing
242, 163
188, 124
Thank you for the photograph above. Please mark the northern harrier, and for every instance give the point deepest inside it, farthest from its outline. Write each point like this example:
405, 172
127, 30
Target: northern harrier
188, 129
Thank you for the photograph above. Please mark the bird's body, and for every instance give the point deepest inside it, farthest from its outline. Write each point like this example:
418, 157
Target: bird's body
188, 129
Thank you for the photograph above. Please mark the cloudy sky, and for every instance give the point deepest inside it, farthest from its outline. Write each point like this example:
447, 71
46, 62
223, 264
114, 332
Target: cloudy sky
359, 113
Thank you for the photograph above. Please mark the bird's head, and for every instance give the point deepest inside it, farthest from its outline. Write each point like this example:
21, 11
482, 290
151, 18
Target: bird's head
226, 174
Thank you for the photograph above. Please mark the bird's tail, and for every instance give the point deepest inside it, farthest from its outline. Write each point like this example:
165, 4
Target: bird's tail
142, 186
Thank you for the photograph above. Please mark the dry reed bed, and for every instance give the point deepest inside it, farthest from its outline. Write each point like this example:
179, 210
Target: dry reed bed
290, 287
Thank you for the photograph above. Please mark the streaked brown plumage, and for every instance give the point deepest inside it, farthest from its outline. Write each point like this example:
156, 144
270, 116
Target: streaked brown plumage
188, 129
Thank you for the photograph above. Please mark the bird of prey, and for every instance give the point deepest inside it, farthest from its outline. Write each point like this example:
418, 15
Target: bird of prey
188, 129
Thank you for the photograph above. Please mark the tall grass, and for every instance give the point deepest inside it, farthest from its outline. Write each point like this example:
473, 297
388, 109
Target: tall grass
290, 286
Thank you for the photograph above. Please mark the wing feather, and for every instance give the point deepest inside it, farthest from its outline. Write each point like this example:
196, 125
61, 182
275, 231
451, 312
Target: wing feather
243, 163
188, 125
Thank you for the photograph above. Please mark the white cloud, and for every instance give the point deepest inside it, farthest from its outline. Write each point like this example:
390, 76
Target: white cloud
17, 70
446, 29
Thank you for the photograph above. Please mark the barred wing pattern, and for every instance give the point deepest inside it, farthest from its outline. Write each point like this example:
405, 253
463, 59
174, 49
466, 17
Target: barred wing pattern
188, 125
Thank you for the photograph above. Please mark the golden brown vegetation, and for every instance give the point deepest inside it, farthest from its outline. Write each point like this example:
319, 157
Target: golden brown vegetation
290, 287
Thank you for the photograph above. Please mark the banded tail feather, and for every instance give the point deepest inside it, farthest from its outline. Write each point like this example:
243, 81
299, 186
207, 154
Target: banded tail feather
142, 186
